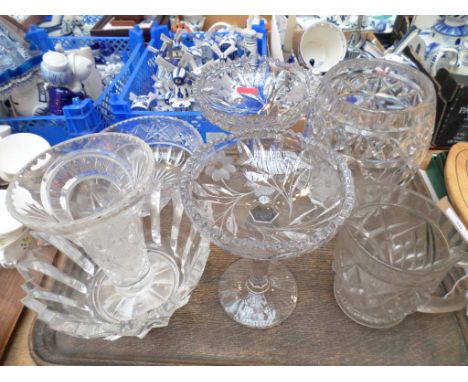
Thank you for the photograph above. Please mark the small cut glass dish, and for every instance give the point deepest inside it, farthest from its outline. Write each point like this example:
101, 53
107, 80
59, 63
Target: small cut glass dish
254, 92
265, 195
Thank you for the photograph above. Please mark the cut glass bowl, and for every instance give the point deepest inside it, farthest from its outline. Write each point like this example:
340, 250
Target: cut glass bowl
67, 303
379, 114
172, 141
248, 92
265, 195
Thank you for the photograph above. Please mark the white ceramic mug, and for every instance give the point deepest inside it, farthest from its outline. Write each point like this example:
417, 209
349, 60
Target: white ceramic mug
322, 46
16, 150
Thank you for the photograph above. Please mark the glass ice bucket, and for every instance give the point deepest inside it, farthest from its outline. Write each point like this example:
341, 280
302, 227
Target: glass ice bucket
85, 197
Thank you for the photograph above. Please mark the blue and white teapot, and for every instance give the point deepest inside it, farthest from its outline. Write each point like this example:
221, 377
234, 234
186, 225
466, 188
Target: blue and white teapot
442, 45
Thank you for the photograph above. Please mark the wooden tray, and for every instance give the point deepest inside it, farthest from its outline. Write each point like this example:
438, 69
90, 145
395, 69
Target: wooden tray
317, 333
10, 304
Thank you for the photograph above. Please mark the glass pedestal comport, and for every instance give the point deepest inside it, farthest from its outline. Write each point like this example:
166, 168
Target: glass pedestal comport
250, 92
258, 294
265, 195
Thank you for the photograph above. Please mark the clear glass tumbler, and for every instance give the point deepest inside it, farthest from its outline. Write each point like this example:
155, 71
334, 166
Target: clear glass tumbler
379, 114
392, 254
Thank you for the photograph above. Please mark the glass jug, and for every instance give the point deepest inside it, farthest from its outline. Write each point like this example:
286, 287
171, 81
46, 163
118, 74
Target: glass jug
392, 254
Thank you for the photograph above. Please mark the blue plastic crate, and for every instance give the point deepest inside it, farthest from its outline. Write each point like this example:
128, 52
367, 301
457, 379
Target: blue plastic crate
85, 116
140, 82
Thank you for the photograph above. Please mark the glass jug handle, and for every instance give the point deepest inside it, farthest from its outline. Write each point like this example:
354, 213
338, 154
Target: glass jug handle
449, 302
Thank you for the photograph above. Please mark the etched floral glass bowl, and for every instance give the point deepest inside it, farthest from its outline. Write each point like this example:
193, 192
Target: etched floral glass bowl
84, 196
248, 92
379, 114
265, 195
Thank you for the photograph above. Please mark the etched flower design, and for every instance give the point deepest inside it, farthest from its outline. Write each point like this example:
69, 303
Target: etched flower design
220, 167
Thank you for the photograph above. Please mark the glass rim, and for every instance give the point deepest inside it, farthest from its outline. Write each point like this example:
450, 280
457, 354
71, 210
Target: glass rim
153, 118
424, 82
83, 224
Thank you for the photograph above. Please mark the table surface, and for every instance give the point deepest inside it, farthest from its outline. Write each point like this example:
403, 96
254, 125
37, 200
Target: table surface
17, 351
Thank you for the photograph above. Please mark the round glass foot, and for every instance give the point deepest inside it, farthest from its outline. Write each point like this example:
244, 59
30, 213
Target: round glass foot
122, 304
260, 306
361, 318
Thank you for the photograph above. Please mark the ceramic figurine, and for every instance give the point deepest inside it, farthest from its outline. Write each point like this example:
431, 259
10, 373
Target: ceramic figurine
162, 91
53, 26
227, 52
93, 86
172, 47
195, 23
142, 102
63, 76
29, 99
181, 95
250, 41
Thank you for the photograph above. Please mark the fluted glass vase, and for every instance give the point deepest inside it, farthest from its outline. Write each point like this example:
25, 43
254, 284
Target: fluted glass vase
85, 196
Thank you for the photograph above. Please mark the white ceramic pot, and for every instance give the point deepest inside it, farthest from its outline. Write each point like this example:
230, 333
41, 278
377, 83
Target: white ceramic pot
322, 46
